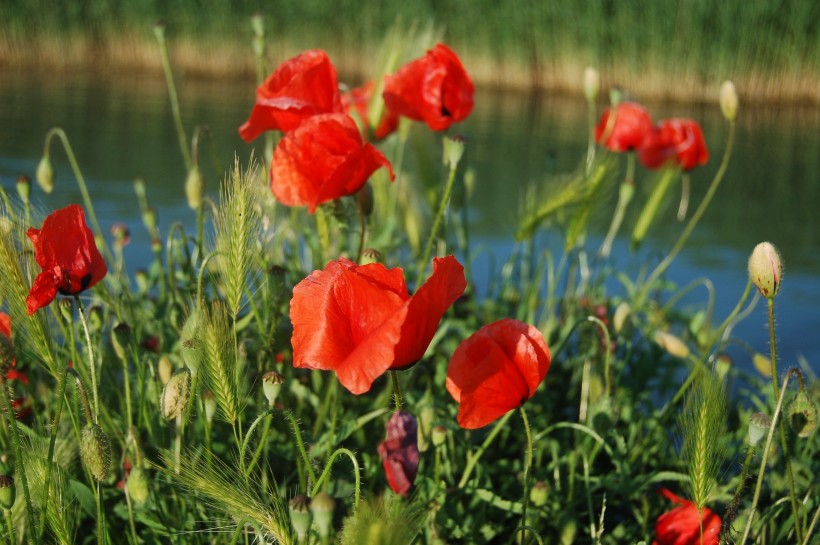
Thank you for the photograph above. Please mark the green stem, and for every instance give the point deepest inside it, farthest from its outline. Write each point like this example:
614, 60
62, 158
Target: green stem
297, 434
18, 452
428, 249
473, 459
243, 449
527, 465
650, 209
202, 268
9, 527
397, 397
693, 221
784, 445
91, 365
159, 32
810, 530
625, 194
735, 311
52, 442
326, 473
602, 326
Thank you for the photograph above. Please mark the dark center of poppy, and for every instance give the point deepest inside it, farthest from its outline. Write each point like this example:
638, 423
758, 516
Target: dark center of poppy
445, 112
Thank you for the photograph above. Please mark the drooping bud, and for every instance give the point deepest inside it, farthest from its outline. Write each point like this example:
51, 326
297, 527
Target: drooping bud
322, 506
672, 344
728, 100
24, 188
209, 401
176, 394
95, 451
165, 369
194, 188
759, 424
803, 415
400, 452
300, 515
766, 269
271, 386
45, 174
762, 364
592, 83
137, 485
622, 313
453, 150
7, 492
120, 337
539, 493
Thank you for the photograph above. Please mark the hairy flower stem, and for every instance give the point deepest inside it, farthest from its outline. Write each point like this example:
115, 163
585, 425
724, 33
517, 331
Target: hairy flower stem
394, 381
472, 460
527, 465
52, 443
91, 366
783, 444
693, 221
18, 452
766, 449
159, 32
731, 509
9, 527
625, 194
326, 473
428, 248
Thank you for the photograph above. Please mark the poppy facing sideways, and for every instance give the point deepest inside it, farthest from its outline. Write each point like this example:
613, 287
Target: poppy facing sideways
627, 130
359, 320
678, 142
496, 370
681, 525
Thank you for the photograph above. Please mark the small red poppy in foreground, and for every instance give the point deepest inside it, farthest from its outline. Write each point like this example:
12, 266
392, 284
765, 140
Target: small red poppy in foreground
627, 130
323, 159
303, 86
435, 89
358, 100
681, 525
400, 452
678, 142
496, 370
359, 321
65, 250
5, 330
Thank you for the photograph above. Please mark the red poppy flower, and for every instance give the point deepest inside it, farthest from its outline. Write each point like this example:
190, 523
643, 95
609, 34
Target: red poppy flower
496, 370
435, 89
323, 159
627, 130
681, 525
5, 330
359, 321
65, 250
675, 141
358, 100
303, 86
400, 452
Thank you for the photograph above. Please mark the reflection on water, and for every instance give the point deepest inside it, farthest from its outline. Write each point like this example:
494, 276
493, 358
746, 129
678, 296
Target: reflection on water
121, 128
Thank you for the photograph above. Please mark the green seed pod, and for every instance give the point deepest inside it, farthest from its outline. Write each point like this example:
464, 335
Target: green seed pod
176, 395
45, 174
137, 485
322, 506
539, 494
370, 255
24, 188
194, 188
272, 385
759, 424
300, 515
803, 415
7, 491
766, 269
95, 451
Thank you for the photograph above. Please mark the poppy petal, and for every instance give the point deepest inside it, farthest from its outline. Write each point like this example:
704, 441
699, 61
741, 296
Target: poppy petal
5, 324
43, 292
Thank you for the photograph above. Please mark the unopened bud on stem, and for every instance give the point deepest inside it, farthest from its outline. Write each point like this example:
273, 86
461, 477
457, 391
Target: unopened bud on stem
766, 269
728, 100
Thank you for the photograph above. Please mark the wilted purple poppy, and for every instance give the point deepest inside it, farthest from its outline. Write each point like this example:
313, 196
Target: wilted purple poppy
400, 452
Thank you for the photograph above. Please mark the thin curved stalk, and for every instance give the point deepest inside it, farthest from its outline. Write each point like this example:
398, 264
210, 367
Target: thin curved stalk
326, 473
474, 458
428, 248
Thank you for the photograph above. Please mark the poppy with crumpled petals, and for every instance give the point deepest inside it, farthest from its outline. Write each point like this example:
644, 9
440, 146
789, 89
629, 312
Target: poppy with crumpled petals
681, 525
301, 87
359, 320
435, 89
400, 452
676, 142
496, 370
323, 159
358, 100
627, 130
65, 250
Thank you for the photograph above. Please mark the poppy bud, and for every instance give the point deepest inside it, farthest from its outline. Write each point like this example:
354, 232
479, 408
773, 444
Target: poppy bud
672, 344
209, 401
165, 369
592, 83
364, 200
766, 269
722, 365
45, 174
426, 416
762, 364
143, 283
24, 188
137, 485
191, 351
299, 515
95, 317
159, 30
194, 188
7, 492
322, 506
728, 100
272, 385
258, 25
149, 219
539, 493
400, 452
453, 150
622, 313
438, 436
120, 337
803, 415
176, 394
759, 424
95, 451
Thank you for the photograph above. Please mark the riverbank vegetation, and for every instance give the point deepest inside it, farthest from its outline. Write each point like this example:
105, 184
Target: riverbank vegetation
664, 49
